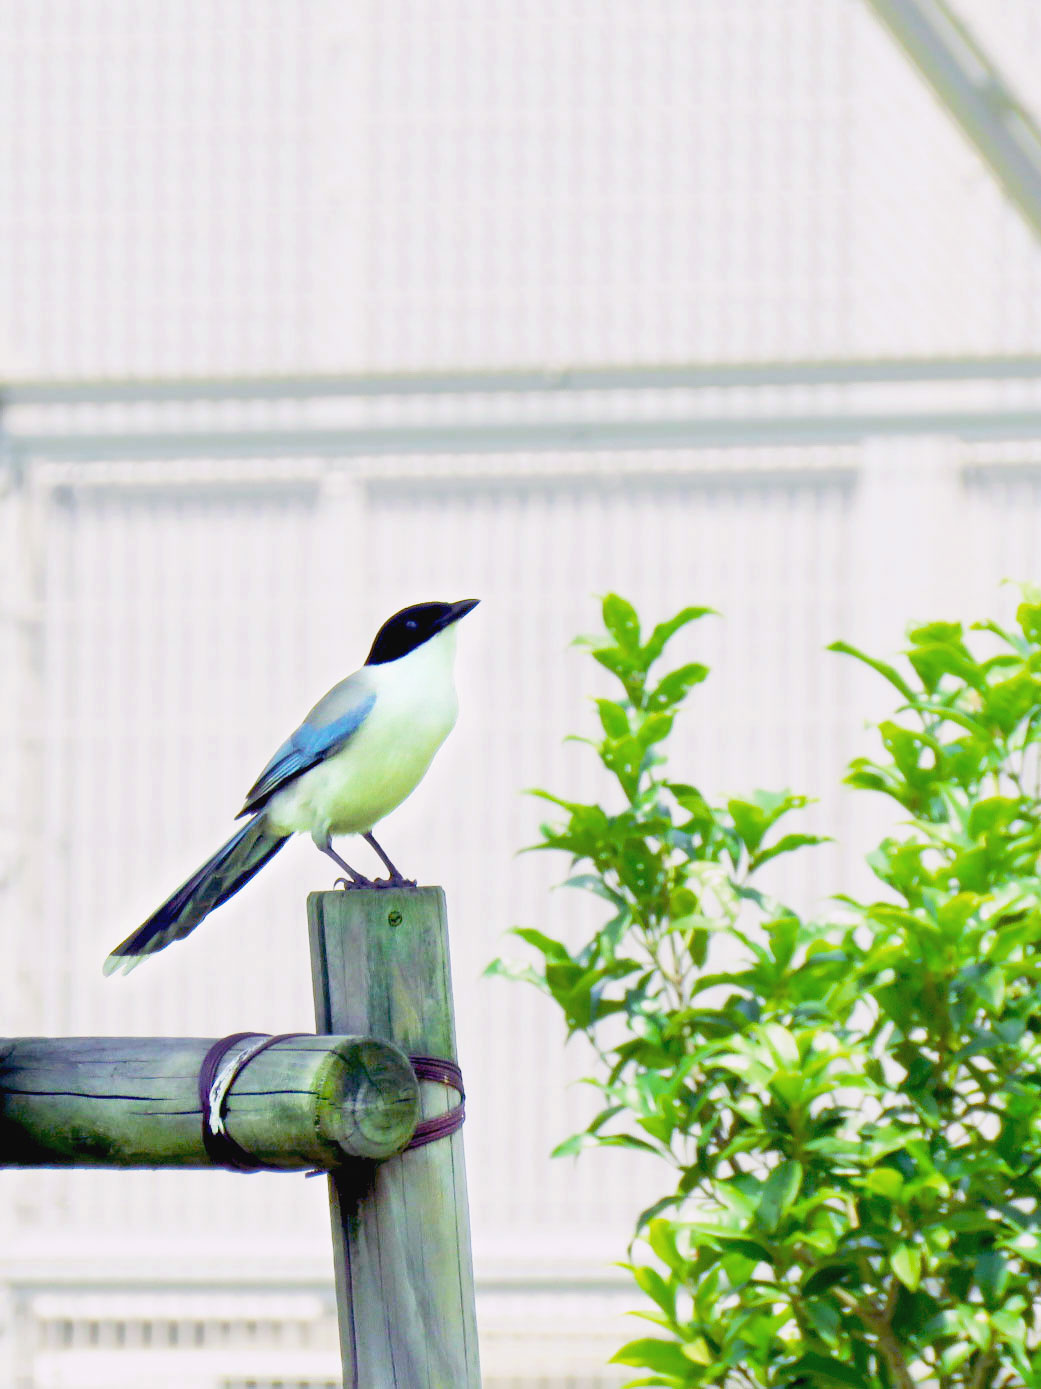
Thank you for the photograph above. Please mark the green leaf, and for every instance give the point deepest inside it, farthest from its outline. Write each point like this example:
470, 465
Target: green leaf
674, 687
861, 775
937, 633
650, 1281
699, 1352
653, 729
779, 1191
991, 991
664, 1356
661, 1236
885, 1181
820, 1279
784, 933
552, 949
1027, 1245
906, 1263
908, 747
613, 717
954, 1356
737, 1244
625, 759
750, 823
570, 1147
623, 665
992, 813
992, 1276
652, 1212
627, 1140
938, 650
1028, 615
826, 1370
640, 869
1007, 703
783, 1044
893, 676
786, 845
591, 882
621, 621
511, 969
753, 818
664, 631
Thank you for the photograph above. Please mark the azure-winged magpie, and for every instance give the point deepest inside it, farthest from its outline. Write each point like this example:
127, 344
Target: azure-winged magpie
361, 750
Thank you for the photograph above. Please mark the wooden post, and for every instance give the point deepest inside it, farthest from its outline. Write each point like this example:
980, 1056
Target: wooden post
401, 1228
304, 1102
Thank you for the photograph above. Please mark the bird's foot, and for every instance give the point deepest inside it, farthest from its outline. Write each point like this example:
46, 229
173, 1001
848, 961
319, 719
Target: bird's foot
349, 883
396, 880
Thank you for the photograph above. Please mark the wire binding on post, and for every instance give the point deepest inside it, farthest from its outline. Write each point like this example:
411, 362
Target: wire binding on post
442, 1125
215, 1084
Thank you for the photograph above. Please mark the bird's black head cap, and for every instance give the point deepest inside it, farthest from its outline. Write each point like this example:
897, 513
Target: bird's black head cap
411, 627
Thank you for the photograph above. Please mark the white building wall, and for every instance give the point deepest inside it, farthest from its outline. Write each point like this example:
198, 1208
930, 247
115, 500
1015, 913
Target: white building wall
254, 185
185, 621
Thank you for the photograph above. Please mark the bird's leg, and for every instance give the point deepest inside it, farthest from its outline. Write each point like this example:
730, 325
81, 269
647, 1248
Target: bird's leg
395, 879
356, 879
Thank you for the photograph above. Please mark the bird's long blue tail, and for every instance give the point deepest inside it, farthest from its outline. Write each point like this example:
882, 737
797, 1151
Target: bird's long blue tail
230, 868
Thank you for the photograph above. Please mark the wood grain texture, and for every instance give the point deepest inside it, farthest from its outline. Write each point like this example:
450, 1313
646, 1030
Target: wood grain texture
401, 1230
305, 1102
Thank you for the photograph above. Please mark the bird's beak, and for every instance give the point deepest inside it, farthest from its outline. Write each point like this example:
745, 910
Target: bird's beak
458, 610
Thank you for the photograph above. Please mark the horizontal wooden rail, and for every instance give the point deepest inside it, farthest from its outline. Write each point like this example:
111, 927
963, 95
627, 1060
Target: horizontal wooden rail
303, 1102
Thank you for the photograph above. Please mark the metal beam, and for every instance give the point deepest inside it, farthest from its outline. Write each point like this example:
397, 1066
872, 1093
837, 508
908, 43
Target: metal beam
976, 93
522, 380
563, 436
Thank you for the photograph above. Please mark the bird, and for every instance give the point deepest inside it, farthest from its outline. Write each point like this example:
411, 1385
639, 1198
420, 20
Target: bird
362, 749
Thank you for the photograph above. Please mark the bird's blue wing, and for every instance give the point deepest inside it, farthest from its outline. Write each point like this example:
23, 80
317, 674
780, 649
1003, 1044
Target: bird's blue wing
328, 726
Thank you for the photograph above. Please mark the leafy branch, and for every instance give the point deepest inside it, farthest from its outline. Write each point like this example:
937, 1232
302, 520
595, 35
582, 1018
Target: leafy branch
849, 1110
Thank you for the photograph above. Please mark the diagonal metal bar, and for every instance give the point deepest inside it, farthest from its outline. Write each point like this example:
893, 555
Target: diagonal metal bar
976, 93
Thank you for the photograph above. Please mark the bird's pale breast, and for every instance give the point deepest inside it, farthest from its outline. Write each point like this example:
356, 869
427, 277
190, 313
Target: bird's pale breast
382, 763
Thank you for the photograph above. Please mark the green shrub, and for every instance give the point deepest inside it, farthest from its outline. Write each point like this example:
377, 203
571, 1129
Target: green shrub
848, 1111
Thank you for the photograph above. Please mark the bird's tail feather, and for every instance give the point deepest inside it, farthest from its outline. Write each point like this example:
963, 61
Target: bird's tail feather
230, 868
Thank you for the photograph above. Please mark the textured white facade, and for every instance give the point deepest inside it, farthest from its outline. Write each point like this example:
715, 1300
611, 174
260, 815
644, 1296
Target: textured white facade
262, 186
172, 626
265, 185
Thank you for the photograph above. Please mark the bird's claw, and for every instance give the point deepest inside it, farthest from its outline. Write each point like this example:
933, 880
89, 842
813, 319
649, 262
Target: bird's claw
379, 884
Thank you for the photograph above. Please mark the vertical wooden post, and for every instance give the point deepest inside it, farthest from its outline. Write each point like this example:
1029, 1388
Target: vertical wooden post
401, 1228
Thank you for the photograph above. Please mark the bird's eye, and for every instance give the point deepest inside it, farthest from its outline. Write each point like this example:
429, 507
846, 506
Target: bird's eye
411, 624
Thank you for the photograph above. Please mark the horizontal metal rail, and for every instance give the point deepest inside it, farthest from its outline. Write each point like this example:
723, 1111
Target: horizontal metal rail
521, 380
524, 436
